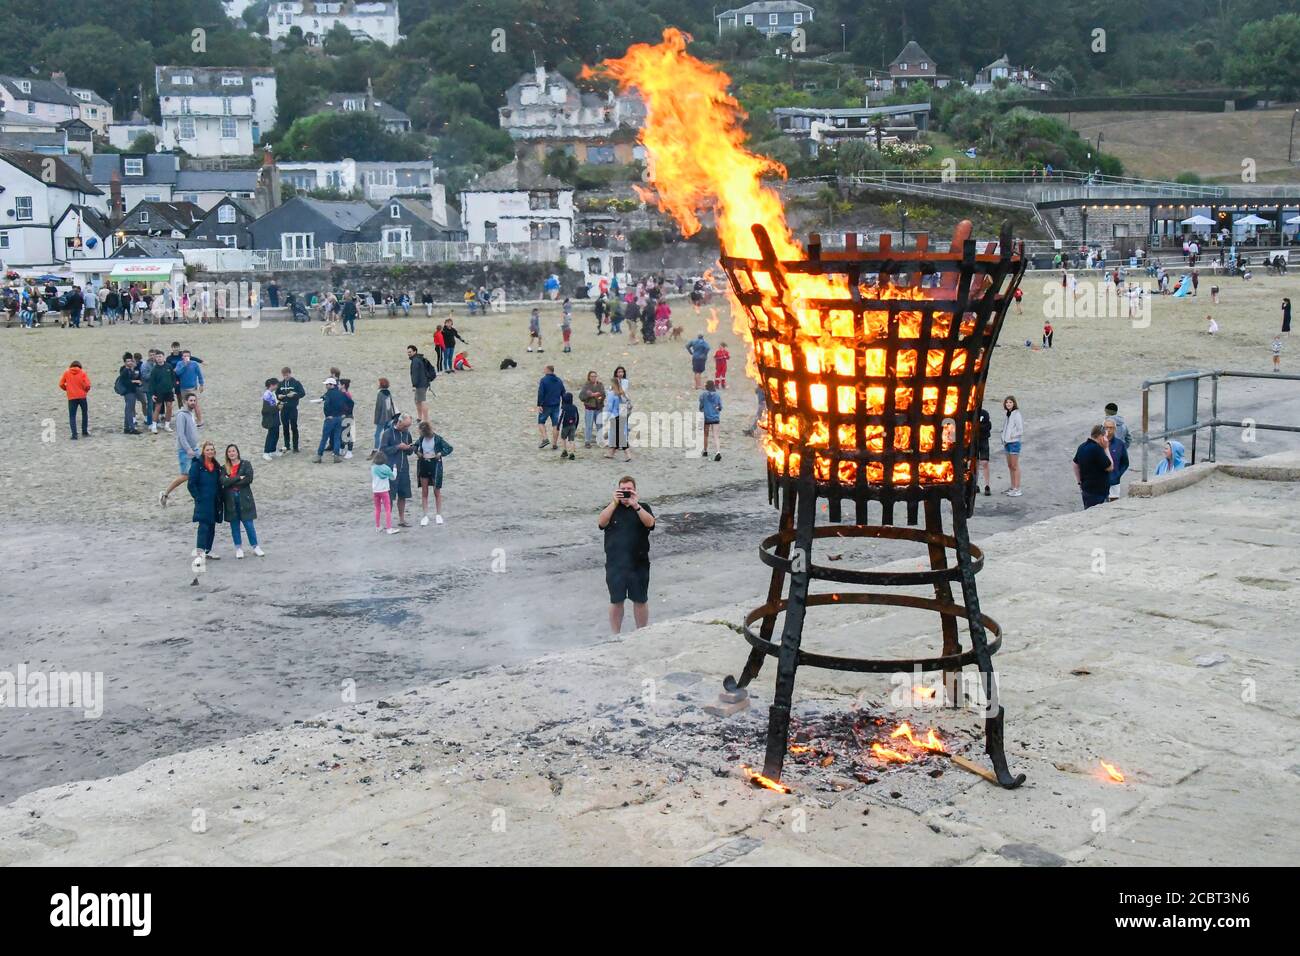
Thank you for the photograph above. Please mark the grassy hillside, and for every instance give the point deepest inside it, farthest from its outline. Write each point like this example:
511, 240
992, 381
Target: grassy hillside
1160, 145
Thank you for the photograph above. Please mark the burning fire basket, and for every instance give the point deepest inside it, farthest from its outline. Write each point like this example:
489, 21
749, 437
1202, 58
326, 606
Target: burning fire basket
874, 363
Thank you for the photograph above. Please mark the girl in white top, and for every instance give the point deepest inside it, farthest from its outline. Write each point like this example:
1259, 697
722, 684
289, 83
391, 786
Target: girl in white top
618, 405
1013, 431
380, 475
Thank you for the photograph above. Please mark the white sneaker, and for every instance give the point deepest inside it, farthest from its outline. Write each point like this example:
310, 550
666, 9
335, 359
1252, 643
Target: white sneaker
239, 552
257, 550
1014, 493
347, 454
153, 428
424, 522
438, 519
167, 425
266, 457
394, 530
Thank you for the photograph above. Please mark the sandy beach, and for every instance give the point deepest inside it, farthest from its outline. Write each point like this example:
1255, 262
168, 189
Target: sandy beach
96, 577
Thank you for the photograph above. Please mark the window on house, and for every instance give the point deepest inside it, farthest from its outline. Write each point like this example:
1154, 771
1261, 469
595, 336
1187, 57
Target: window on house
227, 241
600, 155
773, 19
749, 19
144, 217
153, 198
24, 86
226, 214
185, 105
183, 79
232, 81
544, 230
489, 232
298, 245
23, 208
31, 107
94, 112
544, 199
187, 127
902, 66
228, 128
190, 197
925, 66
284, 19
133, 167
226, 109
395, 211
397, 241
4, 240
798, 18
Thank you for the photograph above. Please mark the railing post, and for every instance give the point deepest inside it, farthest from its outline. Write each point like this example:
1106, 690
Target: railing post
1214, 416
1146, 426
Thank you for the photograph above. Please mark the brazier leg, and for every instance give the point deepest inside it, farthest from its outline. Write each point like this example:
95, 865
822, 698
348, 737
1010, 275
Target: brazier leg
943, 593
993, 743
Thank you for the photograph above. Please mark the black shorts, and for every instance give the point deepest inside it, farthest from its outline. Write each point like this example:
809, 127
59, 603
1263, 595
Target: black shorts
430, 469
628, 583
983, 453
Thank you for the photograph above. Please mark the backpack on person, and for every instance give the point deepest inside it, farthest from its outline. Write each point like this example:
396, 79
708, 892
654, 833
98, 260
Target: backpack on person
429, 370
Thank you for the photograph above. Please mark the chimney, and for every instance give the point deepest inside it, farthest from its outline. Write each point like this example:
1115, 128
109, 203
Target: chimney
59, 79
268, 181
116, 209
438, 199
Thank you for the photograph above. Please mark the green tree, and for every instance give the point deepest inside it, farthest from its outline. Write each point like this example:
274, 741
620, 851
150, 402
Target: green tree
332, 136
442, 98
144, 143
94, 56
1267, 55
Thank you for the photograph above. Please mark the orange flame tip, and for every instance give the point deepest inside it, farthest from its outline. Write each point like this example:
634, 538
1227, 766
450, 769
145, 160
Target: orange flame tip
1112, 772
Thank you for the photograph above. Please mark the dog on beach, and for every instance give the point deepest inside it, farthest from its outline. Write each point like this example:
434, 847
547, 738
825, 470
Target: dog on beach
508, 363
331, 327
676, 333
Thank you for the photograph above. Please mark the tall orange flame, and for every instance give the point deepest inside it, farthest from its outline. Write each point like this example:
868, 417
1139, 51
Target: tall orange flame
1112, 771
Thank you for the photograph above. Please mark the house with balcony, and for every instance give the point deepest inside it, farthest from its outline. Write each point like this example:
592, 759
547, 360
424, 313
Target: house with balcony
403, 221
300, 228
814, 127
547, 112
368, 22
374, 181
518, 203
772, 17
394, 120
36, 192
215, 111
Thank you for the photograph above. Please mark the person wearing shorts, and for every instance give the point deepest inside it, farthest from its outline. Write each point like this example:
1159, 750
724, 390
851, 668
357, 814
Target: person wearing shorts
627, 524
550, 391
430, 449
187, 445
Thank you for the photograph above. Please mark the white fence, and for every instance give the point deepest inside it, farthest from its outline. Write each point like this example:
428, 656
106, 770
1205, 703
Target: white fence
373, 253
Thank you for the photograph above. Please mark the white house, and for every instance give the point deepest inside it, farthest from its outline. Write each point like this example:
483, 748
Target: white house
124, 134
35, 193
83, 232
372, 181
215, 111
366, 21
518, 203
772, 17
42, 99
547, 105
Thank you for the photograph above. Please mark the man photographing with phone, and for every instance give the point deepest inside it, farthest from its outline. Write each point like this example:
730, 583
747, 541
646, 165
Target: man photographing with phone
627, 524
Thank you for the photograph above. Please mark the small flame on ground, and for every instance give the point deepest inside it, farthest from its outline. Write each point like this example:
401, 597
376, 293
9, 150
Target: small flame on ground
881, 752
931, 742
1112, 771
923, 693
799, 748
767, 783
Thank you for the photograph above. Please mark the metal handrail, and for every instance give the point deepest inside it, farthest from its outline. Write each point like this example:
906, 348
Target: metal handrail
1032, 176
1146, 438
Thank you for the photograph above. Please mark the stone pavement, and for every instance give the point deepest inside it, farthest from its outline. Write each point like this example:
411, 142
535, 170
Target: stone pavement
1157, 634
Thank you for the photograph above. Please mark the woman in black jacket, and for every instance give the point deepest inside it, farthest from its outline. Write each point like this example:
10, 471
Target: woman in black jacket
237, 502
205, 488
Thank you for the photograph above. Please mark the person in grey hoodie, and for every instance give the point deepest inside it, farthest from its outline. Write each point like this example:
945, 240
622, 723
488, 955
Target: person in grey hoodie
187, 444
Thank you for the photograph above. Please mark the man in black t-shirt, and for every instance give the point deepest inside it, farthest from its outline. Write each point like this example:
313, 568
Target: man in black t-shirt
627, 524
1092, 468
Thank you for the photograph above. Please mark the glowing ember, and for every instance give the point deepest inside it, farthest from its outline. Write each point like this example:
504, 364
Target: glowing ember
888, 755
767, 783
799, 748
923, 693
1112, 771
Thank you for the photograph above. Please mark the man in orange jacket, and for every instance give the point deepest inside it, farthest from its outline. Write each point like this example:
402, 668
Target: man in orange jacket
76, 383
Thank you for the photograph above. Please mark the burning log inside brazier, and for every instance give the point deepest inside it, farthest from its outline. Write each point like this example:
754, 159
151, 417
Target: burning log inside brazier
874, 363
